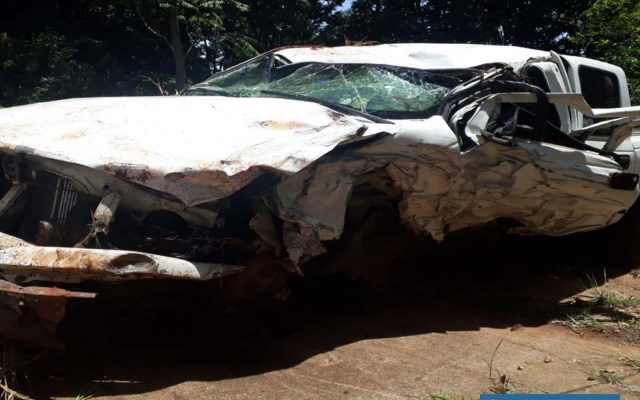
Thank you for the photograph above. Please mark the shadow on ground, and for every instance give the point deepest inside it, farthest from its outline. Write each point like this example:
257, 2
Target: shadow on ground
139, 338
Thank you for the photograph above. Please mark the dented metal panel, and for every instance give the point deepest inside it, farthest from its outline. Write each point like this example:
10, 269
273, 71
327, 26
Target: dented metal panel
413, 55
548, 189
198, 149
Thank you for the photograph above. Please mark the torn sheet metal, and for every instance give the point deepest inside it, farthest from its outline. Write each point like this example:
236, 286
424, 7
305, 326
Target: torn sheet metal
488, 108
9, 198
198, 149
548, 189
105, 212
133, 196
25, 263
32, 313
541, 187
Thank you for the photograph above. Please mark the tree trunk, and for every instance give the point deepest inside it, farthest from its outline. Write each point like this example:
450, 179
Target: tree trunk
176, 47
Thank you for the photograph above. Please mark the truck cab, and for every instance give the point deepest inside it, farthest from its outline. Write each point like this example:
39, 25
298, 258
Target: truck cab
603, 86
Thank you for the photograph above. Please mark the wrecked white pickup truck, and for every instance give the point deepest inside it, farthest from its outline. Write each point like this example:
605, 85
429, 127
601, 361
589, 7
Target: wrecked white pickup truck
258, 166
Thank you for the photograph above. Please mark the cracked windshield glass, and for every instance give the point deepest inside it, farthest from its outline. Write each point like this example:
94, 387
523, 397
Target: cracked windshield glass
384, 91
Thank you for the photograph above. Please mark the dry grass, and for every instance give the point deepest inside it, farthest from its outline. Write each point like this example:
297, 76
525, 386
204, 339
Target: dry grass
605, 311
632, 362
610, 377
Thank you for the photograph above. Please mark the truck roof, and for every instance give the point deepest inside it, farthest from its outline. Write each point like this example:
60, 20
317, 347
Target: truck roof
413, 55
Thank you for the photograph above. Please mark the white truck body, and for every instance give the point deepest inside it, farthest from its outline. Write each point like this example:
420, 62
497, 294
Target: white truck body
266, 157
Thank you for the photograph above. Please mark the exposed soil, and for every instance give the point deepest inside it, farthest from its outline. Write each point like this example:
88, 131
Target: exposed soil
452, 321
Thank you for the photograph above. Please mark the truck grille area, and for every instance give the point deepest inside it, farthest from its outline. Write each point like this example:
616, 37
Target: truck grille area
64, 199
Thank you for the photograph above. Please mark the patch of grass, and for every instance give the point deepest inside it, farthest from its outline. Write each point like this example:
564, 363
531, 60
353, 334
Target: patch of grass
611, 377
87, 394
9, 376
632, 362
607, 298
605, 311
631, 322
584, 320
592, 283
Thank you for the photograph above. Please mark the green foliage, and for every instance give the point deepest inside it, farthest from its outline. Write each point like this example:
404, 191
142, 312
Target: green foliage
611, 32
632, 362
275, 23
584, 320
540, 24
63, 48
210, 32
41, 67
611, 377
612, 299
382, 21
66, 48
69, 48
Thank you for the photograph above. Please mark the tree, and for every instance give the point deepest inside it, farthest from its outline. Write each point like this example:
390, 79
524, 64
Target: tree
176, 48
540, 24
67, 48
544, 24
274, 23
40, 67
610, 31
201, 23
384, 21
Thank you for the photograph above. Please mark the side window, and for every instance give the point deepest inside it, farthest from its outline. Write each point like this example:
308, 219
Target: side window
249, 75
599, 88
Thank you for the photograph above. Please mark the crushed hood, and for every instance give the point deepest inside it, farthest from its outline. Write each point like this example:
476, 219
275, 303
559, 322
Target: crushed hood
198, 149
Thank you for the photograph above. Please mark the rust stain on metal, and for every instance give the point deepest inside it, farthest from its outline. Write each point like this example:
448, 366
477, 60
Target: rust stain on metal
41, 291
58, 258
205, 177
300, 46
105, 212
64, 264
282, 125
7, 241
81, 259
174, 175
32, 313
135, 173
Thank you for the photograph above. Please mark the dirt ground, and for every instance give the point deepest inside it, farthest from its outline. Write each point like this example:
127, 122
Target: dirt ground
474, 324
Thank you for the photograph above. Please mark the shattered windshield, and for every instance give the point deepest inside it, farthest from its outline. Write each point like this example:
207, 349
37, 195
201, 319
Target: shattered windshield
380, 90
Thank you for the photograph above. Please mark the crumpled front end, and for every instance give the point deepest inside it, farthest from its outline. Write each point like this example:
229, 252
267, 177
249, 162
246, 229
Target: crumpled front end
105, 205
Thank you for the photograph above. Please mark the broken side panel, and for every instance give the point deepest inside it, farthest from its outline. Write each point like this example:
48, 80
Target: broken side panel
545, 188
